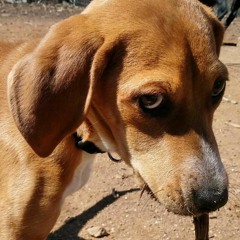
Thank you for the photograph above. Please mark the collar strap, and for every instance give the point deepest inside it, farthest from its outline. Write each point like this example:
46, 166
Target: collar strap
86, 146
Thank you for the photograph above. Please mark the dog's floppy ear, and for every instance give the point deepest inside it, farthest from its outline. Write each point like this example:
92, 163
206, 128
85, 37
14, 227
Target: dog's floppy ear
50, 89
218, 31
217, 28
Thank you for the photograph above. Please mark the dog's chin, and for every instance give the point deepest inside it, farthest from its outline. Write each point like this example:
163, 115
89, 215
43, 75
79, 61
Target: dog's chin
178, 208
183, 207
171, 206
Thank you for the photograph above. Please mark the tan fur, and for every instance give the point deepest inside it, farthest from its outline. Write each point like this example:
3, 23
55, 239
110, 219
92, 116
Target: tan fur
86, 74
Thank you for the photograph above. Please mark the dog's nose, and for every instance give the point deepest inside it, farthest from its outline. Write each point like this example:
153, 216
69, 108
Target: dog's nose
210, 200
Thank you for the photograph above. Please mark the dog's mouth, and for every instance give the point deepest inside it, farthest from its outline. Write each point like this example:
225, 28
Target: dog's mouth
193, 203
200, 220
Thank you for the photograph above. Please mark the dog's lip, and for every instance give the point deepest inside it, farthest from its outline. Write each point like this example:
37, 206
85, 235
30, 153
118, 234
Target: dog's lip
186, 211
153, 196
198, 214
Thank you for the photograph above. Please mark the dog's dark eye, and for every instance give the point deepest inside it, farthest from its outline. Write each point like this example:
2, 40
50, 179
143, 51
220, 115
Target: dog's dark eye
156, 105
151, 101
218, 90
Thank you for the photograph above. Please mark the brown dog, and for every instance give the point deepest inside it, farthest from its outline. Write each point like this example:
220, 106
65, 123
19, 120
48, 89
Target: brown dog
132, 77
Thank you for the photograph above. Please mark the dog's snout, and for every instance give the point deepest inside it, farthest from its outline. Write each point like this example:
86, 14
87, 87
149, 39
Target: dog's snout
210, 200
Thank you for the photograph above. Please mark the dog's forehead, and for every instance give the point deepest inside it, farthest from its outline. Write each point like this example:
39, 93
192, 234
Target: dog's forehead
155, 26
166, 15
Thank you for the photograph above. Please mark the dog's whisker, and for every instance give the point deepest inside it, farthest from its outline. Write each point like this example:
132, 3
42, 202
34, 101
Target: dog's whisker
143, 190
146, 203
151, 195
154, 193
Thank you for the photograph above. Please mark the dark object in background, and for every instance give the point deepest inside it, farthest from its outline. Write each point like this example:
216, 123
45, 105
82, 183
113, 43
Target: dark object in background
234, 9
209, 3
221, 9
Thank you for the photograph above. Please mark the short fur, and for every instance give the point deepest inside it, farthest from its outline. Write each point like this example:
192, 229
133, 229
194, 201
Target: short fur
88, 74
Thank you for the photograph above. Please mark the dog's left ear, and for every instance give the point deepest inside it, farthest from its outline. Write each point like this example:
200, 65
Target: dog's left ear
217, 29
50, 88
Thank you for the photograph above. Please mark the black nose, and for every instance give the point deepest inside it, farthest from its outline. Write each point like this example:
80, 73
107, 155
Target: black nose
210, 200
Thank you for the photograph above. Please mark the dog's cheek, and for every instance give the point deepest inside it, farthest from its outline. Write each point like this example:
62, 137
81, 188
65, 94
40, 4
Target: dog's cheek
163, 181
148, 158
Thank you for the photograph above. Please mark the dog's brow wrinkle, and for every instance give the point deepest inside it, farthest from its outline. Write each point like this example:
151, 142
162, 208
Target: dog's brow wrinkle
146, 86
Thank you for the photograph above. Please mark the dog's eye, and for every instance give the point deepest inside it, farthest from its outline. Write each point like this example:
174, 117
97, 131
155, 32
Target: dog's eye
218, 90
151, 101
155, 105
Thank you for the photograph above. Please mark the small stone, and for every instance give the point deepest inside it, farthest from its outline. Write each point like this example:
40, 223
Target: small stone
97, 232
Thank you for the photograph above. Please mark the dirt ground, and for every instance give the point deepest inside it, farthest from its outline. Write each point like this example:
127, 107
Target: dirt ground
126, 216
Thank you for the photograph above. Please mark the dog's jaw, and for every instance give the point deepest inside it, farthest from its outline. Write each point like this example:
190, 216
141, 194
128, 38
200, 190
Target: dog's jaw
174, 181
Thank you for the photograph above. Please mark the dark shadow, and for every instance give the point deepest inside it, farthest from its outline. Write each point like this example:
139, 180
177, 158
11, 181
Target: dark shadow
72, 226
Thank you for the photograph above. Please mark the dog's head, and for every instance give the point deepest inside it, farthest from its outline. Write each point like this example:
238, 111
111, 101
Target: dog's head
146, 76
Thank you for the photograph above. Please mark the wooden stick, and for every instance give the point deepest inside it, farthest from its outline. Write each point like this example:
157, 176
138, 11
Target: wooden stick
201, 224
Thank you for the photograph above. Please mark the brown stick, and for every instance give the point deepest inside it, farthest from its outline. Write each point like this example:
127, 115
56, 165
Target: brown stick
201, 224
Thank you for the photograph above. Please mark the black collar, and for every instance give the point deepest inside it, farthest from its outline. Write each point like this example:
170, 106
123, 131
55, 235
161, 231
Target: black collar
86, 146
